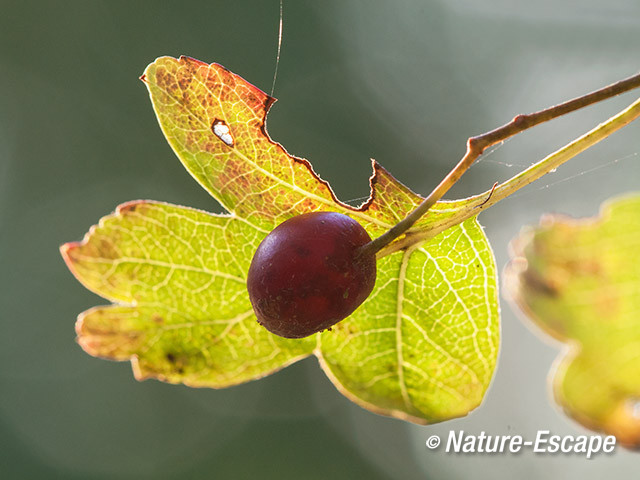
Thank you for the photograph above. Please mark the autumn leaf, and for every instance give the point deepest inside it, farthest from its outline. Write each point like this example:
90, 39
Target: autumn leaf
422, 347
579, 281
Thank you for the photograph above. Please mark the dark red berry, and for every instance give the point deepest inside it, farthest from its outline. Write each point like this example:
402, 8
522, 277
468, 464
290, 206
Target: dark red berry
309, 273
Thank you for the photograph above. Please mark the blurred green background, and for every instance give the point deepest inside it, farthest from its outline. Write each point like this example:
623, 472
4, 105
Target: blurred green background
405, 82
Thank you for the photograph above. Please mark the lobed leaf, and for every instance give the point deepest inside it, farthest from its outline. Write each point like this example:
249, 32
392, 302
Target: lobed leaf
423, 346
181, 273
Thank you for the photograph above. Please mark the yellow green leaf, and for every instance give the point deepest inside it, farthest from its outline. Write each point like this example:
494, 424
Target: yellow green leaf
423, 347
178, 275
579, 281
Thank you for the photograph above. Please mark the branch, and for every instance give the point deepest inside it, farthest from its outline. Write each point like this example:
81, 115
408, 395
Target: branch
489, 198
477, 145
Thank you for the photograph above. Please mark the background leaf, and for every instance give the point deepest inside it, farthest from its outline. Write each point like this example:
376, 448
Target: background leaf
423, 347
579, 280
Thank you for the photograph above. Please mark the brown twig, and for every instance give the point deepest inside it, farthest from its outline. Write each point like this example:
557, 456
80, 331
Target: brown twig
477, 145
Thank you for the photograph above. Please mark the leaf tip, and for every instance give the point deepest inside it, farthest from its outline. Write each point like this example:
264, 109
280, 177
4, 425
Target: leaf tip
82, 338
129, 207
138, 374
66, 251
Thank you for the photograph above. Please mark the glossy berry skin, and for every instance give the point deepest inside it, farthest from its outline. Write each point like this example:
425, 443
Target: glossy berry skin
308, 274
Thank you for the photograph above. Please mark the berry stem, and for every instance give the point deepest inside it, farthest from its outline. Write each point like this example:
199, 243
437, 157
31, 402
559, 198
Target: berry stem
476, 145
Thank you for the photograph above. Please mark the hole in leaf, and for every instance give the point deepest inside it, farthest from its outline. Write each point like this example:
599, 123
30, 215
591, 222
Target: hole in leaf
221, 130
